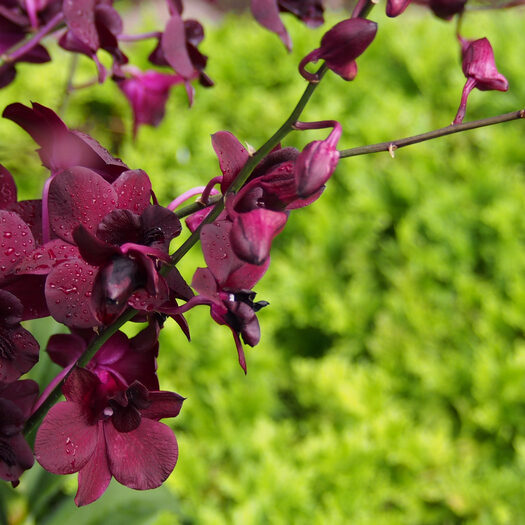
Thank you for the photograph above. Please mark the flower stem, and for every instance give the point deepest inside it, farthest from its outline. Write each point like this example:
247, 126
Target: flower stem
448, 130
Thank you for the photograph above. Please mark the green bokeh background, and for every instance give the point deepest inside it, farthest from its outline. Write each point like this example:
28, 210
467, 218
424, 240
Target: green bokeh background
389, 384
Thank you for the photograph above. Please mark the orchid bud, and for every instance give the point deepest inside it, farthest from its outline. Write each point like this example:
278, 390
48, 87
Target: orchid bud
396, 7
480, 69
340, 46
253, 232
316, 163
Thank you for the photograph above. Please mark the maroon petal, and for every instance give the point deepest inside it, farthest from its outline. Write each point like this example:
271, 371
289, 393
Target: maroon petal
266, 12
79, 196
194, 220
7, 188
42, 260
143, 458
174, 47
252, 234
113, 349
30, 290
178, 285
31, 213
23, 394
64, 442
68, 289
246, 276
19, 458
64, 349
16, 241
204, 283
218, 254
163, 404
160, 226
93, 250
79, 387
94, 478
133, 189
11, 308
18, 352
119, 227
135, 364
80, 18
231, 154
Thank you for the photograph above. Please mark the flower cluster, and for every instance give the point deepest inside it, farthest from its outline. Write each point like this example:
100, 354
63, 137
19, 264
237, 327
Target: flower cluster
96, 246
94, 250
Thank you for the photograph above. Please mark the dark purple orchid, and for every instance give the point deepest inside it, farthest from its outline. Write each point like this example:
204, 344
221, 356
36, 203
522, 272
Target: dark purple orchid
284, 180
148, 93
125, 249
121, 239
340, 46
480, 69
18, 348
16, 401
266, 12
127, 236
226, 287
107, 428
126, 359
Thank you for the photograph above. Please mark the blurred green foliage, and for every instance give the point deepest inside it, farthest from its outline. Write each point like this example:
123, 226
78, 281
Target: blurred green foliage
389, 385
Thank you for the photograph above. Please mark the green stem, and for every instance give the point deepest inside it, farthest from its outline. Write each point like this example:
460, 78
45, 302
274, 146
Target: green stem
241, 178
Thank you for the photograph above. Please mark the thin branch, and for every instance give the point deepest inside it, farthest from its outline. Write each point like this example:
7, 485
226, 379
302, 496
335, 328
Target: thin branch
392, 145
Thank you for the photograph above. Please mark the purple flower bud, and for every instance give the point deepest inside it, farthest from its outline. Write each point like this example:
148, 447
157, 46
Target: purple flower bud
340, 46
446, 9
316, 163
396, 7
480, 69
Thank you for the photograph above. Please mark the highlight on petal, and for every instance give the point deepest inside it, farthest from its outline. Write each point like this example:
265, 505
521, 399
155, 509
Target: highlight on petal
79, 196
68, 289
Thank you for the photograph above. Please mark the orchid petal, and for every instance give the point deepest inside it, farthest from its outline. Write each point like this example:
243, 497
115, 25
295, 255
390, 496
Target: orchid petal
94, 478
65, 442
143, 458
